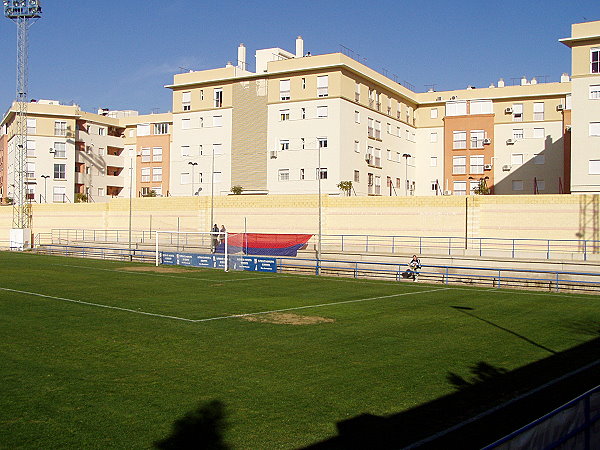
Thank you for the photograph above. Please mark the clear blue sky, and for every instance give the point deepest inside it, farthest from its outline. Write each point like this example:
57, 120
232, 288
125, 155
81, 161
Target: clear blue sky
119, 54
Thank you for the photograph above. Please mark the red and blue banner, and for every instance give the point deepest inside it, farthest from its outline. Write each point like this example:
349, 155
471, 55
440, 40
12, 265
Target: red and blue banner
265, 244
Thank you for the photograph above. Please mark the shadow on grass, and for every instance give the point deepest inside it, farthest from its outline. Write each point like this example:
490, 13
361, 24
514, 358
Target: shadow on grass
493, 403
201, 428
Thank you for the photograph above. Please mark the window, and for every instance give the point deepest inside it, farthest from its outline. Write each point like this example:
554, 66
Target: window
145, 174
594, 128
59, 171
161, 128
60, 150
377, 157
516, 159
157, 190
322, 142
433, 138
186, 98
595, 60
389, 128
377, 101
370, 155
377, 129
303, 113
302, 174
370, 127
185, 151
201, 122
100, 192
594, 95
541, 185
538, 111
434, 185
59, 194
594, 167
398, 157
473, 185
100, 151
398, 132
539, 159
284, 144
60, 128
30, 169
370, 183
284, 114
131, 134
356, 176
460, 188
481, 107
517, 185
185, 178
31, 126
433, 113
433, 161
568, 101
356, 117
217, 121
476, 164
321, 111
146, 155
284, 89
157, 154
539, 133
323, 86
517, 134
459, 165
157, 174
30, 149
389, 155
101, 131
143, 129
459, 140
218, 97
302, 141
357, 146
357, 92
477, 137
185, 124
284, 174
322, 173
201, 94
217, 149
517, 112
377, 185
456, 108
303, 83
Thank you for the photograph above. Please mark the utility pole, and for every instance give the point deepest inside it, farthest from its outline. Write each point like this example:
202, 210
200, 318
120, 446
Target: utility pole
22, 12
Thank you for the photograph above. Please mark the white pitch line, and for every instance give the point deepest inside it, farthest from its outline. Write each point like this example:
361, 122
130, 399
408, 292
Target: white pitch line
134, 272
233, 316
97, 304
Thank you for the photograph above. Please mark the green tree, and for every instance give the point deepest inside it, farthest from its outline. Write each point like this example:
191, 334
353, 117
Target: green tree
345, 186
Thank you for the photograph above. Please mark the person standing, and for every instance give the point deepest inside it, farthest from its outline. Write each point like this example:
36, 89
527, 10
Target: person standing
215, 237
222, 235
414, 267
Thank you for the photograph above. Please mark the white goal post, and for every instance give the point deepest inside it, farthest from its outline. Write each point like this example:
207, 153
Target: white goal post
197, 242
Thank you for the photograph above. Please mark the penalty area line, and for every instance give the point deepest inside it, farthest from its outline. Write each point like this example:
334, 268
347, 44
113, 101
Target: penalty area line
233, 316
99, 305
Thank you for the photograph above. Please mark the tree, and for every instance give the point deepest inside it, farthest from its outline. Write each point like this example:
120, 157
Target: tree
237, 189
482, 188
345, 186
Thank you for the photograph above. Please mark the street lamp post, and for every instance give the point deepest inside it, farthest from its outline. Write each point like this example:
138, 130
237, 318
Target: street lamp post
212, 188
45, 177
130, 190
319, 174
193, 164
406, 156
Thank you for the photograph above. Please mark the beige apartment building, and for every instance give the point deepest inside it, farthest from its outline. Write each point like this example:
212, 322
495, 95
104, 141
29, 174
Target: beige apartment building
301, 124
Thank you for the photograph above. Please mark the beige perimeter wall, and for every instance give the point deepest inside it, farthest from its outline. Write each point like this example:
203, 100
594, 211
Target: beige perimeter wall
535, 216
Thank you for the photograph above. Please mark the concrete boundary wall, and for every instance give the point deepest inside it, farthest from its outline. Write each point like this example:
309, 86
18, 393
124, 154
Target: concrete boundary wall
525, 216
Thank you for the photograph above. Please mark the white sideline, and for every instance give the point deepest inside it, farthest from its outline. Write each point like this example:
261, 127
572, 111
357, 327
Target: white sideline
233, 316
96, 304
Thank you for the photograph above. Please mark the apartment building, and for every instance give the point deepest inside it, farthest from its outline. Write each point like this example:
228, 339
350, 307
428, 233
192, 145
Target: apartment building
302, 124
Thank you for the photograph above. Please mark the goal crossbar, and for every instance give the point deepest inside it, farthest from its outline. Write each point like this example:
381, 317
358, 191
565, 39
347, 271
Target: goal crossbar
214, 237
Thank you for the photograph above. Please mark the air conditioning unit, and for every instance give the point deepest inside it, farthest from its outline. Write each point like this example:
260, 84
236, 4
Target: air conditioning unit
560, 107
506, 168
508, 111
447, 192
488, 167
273, 154
487, 141
509, 142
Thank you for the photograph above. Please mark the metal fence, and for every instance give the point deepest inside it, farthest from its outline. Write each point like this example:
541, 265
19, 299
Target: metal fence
575, 425
445, 274
354, 243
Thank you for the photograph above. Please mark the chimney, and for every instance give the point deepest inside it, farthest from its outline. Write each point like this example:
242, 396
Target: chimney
492, 85
242, 57
524, 81
534, 80
564, 78
299, 47
501, 82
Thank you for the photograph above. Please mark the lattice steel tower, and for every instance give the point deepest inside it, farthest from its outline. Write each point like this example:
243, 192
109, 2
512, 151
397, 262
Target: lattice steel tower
23, 13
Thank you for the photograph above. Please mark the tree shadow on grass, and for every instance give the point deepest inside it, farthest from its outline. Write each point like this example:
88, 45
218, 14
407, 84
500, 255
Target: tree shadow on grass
486, 407
201, 428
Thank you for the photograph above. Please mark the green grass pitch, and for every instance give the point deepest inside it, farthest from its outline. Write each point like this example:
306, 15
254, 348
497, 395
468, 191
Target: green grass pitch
106, 357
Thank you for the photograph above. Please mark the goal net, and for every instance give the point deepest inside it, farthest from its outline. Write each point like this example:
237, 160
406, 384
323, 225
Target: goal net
196, 249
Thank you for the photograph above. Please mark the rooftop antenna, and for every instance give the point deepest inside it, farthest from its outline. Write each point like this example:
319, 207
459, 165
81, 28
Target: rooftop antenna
23, 13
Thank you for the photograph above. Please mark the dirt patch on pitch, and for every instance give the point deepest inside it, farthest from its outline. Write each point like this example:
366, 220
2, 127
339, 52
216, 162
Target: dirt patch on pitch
159, 269
287, 319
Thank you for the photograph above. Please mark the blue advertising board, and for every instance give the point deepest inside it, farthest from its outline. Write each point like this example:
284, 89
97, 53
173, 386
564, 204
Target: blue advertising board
250, 263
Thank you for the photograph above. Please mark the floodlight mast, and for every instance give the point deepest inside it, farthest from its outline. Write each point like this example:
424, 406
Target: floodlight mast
22, 12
